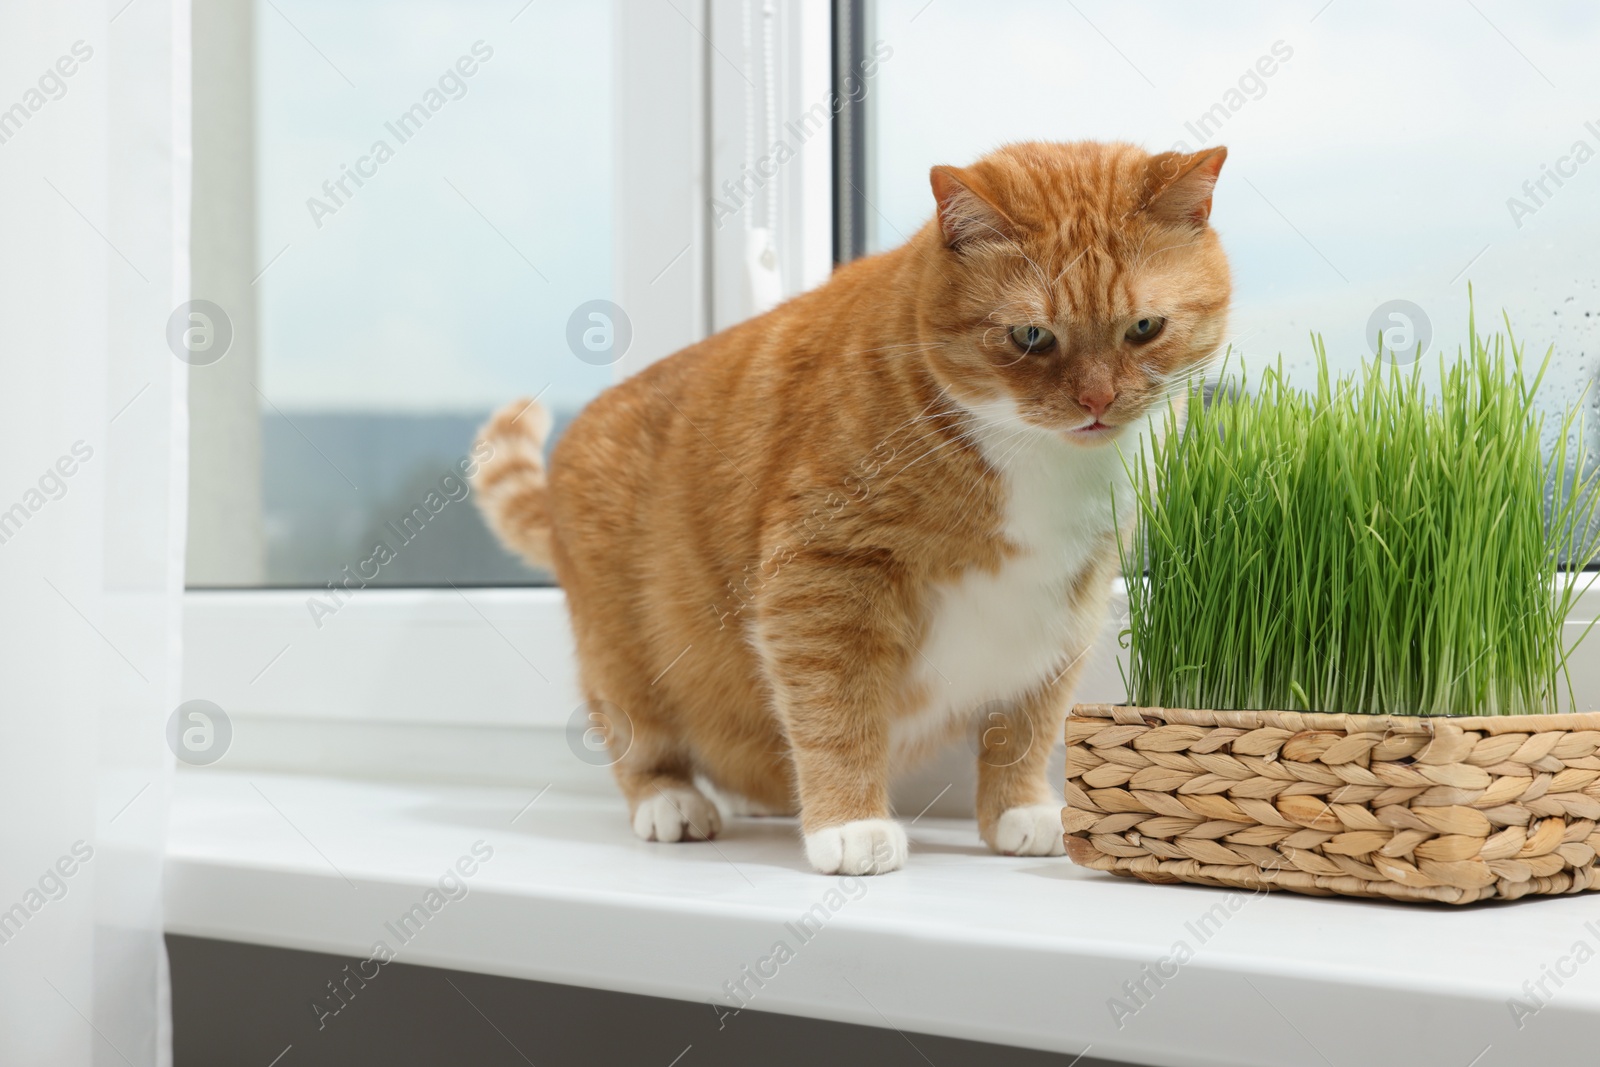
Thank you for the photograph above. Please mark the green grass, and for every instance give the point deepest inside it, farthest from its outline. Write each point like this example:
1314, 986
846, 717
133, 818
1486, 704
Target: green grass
1369, 545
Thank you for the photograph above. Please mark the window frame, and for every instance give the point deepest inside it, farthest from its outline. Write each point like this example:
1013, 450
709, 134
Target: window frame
399, 664
473, 682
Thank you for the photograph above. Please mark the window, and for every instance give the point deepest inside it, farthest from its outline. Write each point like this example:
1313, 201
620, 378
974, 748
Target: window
430, 202
604, 146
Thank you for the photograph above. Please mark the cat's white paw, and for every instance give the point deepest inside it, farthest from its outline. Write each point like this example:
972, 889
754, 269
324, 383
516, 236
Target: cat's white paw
676, 813
1031, 830
866, 846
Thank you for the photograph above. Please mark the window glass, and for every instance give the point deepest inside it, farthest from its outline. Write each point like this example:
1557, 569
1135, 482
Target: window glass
433, 197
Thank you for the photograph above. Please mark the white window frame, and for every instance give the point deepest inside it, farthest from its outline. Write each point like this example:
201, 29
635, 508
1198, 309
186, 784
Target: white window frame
414, 681
475, 683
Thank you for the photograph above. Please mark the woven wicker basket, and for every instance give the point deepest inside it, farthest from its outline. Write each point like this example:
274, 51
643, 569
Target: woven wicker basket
1406, 807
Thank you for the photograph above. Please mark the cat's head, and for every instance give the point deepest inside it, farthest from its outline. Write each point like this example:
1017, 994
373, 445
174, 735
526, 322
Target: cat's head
1074, 287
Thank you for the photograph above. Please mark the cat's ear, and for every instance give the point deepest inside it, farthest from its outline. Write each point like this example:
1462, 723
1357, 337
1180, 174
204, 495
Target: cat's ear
1181, 183
967, 212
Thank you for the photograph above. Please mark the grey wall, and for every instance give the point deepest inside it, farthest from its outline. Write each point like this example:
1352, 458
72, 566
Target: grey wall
245, 1004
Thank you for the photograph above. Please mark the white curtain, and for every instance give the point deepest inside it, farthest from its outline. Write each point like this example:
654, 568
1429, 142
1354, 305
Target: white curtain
94, 115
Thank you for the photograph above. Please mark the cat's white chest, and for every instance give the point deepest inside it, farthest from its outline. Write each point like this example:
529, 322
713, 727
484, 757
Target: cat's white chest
994, 635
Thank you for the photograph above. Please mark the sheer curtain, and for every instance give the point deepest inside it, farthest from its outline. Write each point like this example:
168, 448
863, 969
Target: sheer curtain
93, 262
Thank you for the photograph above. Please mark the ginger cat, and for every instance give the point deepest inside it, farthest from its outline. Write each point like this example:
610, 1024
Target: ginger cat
817, 544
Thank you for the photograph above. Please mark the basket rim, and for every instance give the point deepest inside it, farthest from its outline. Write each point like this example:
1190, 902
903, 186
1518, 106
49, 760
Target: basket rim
1344, 721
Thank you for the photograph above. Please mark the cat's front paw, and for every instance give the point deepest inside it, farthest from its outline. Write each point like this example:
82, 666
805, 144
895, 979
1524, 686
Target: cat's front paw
676, 813
1031, 830
865, 846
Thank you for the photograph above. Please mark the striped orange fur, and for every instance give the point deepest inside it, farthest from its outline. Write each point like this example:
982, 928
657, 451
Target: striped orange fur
814, 546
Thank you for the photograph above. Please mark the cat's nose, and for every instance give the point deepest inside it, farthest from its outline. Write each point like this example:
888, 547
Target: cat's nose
1095, 399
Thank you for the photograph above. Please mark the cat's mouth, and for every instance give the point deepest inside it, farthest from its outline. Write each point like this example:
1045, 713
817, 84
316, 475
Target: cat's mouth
1093, 430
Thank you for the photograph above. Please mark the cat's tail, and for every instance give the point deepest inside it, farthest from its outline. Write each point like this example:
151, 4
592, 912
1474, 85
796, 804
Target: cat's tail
513, 492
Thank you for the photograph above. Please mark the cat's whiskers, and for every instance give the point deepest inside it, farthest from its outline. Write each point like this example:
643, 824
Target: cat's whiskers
956, 410
1023, 440
885, 348
923, 433
979, 426
942, 394
952, 413
938, 446
926, 346
1023, 436
978, 484
888, 441
968, 434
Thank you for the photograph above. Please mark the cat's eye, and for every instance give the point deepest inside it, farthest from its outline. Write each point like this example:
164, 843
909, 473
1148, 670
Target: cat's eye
1032, 339
1145, 330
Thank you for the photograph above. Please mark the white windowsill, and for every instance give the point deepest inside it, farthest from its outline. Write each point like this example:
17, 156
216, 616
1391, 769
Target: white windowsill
440, 693
961, 943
